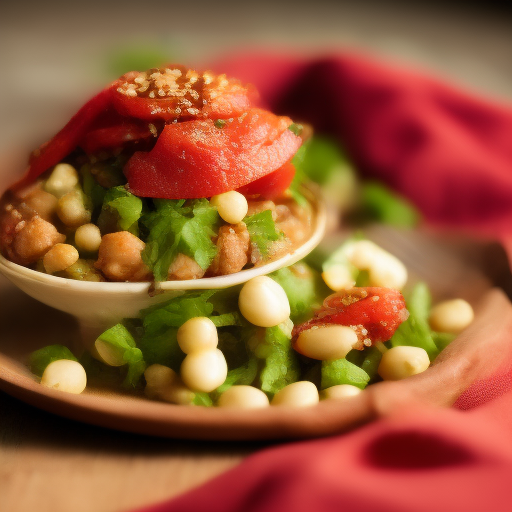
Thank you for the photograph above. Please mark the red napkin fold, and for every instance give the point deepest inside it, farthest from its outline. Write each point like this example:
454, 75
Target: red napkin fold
448, 151
451, 154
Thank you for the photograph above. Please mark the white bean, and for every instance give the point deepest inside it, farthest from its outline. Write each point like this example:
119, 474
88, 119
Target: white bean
59, 257
204, 371
298, 394
338, 277
165, 384
88, 238
326, 342
383, 268
451, 316
243, 397
263, 302
400, 362
71, 209
197, 335
232, 206
108, 354
65, 375
62, 180
340, 392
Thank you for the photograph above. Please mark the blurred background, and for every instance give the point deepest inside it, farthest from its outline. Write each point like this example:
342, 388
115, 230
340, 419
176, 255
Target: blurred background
55, 54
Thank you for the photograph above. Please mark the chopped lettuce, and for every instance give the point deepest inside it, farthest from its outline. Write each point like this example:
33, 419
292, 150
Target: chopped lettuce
305, 290
92, 189
442, 339
319, 158
40, 359
120, 211
242, 376
381, 204
342, 371
415, 331
159, 342
121, 340
281, 364
202, 399
262, 230
175, 228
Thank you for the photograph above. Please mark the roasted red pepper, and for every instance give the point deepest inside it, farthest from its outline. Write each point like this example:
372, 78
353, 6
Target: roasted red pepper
202, 158
374, 313
176, 92
199, 132
272, 185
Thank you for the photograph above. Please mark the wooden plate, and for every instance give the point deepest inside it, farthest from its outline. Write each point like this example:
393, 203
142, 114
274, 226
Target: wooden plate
453, 268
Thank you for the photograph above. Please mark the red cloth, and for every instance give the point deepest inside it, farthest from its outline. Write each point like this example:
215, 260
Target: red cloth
451, 153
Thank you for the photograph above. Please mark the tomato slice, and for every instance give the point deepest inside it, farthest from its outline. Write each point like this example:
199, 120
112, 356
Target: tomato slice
272, 185
374, 313
201, 158
57, 148
175, 92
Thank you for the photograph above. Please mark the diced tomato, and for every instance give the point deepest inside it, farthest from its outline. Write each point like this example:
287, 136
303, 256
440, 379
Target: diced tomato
175, 92
374, 313
272, 185
201, 158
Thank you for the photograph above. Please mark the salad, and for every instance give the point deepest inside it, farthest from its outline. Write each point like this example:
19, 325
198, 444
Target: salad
167, 174
171, 174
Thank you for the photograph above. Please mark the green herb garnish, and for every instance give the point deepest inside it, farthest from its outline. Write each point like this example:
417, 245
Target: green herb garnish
175, 228
262, 230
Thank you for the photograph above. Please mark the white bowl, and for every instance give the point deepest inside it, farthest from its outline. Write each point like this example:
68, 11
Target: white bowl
98, 306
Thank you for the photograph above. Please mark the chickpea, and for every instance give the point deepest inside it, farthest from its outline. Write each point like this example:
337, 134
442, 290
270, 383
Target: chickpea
243, 397
326, 342
165, 384
232, 206
297, 394
340, 392
62, 180
88, 238
65, 375
35, 239
184, 267
43, 203
59, 257
400, 362
204, 371
197, 335
451, 316
71, 209
119, 257
263, 302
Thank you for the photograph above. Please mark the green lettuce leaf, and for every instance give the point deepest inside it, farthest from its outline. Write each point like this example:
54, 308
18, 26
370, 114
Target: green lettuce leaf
120, 211
381, 204
341, 371
40, 359
161, 322
121, 340
415, 331
242, 376
305, 290
281, 364
175, 228
262, 230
